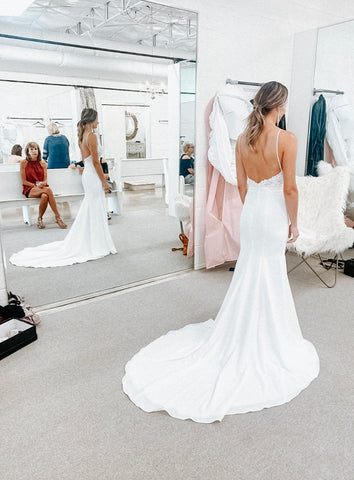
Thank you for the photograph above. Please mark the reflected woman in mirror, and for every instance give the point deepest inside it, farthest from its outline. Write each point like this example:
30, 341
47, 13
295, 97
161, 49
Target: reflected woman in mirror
186, 163
253, 355
34, 179
16, 154
56, 148
89, 237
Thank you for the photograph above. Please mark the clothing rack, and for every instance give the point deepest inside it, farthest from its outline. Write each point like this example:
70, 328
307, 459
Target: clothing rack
240, 82
25, 118
37, 121
324, 90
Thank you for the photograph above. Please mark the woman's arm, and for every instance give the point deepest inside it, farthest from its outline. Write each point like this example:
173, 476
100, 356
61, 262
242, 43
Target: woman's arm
92, 146
44, 165
241, 173
23, 174
288, 149
45, 149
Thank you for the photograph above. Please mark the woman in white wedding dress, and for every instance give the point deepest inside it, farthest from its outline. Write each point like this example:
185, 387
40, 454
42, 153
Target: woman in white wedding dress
89, 237
253, 354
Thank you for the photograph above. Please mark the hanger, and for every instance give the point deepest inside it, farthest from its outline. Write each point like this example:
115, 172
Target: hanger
38, 124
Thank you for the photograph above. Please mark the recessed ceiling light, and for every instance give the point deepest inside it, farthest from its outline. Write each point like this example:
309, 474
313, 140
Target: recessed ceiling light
14, 8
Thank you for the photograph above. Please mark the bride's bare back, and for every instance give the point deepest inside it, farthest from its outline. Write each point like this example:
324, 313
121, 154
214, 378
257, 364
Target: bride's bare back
262, 163
88, 145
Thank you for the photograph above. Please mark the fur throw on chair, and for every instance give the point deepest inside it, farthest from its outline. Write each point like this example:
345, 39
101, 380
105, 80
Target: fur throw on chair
323, 168
321, 224
182, 207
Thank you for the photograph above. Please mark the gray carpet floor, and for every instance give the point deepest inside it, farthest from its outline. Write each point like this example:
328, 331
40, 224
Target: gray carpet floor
64, 415
144, 238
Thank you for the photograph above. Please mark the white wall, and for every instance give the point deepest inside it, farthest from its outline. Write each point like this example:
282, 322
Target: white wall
335, 59
301, 95
30, 100
49, 101
158, 110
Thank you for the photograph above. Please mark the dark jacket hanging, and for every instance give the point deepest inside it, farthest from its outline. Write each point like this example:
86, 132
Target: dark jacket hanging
317, 134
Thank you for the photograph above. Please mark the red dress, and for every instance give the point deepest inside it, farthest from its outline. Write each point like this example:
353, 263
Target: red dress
34, 173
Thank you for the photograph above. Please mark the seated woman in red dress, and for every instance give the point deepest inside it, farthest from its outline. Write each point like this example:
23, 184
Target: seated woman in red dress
34, 178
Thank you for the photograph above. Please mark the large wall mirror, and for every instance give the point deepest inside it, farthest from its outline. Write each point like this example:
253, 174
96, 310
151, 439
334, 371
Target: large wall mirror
334, 87
54, 62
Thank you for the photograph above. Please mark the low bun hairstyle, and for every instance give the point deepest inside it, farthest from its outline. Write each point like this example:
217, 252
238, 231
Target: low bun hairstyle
88, 115
271, 95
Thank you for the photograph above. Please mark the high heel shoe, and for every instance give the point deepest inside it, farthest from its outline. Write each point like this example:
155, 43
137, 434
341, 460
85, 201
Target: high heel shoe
60, 222
40, 223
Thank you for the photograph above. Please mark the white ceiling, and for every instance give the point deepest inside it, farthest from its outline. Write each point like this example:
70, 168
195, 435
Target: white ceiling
133, 22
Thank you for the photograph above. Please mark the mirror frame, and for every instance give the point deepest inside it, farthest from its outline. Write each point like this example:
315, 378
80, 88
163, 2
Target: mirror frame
135, 130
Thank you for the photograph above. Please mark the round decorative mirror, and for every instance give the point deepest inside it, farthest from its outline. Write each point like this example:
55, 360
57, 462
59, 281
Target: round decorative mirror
131, 126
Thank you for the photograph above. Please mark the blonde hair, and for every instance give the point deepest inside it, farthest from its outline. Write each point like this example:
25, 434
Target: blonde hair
186, 146
88, 115
53, 128
271, 95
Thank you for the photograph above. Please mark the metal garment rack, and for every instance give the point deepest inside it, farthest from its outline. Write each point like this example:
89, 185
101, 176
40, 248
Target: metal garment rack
240, 82
324, 90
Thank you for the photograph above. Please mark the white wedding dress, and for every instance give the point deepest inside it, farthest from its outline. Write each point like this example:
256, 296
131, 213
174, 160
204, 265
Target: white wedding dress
89, 237
253, 354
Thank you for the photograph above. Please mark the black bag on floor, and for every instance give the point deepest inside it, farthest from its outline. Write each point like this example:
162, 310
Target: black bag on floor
349, 267
11, 311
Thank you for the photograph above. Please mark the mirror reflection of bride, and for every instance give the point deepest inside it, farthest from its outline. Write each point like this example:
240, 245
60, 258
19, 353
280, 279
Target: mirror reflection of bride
89, 237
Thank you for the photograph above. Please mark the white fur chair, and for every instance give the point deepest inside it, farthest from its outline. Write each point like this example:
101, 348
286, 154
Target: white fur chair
323, 168
181, 185
182, 209
321, 224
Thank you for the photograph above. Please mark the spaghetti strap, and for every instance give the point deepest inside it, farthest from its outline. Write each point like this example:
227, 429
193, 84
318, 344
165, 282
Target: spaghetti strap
276, 148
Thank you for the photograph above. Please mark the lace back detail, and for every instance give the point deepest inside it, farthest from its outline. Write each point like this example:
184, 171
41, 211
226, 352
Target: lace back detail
275, 181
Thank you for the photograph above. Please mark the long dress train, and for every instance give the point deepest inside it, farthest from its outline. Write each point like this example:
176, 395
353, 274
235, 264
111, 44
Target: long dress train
253, 355
89, 237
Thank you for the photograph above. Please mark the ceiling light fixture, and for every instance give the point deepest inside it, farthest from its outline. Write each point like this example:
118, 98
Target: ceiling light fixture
153, 90
15, 8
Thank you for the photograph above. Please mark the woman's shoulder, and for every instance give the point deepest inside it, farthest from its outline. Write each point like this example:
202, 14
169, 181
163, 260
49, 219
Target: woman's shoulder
286, 136
287, 143
91, 137
43, 163
241, 138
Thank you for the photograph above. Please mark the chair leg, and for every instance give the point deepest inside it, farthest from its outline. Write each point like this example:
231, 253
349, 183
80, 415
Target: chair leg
26, 215
174, 249
113, 204
334, 262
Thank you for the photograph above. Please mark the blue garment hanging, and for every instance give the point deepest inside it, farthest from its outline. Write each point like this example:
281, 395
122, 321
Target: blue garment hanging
317, 134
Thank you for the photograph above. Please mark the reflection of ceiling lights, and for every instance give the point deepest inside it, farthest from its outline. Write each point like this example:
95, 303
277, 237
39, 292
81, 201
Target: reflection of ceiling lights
154, 90
154, 25
13, 8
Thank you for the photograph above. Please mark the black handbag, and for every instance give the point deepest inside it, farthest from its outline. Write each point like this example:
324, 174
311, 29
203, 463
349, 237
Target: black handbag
349, 267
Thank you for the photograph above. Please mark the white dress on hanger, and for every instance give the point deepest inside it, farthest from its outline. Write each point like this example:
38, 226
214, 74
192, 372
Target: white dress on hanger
253, 354
227, 121
340, 130
89, 237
